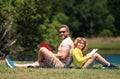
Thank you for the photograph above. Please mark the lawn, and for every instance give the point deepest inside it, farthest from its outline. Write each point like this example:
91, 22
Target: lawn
104, 47
42, 73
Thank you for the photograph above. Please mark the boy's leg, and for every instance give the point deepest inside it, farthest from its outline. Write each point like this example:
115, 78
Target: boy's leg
88, 64
98, 58
101, 60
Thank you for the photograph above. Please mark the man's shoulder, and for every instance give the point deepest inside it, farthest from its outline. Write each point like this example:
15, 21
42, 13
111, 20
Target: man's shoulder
68, 40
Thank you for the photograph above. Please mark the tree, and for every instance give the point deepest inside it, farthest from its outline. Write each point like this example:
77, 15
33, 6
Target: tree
94, 15
25, 23
114, 9
7, 29
86, 16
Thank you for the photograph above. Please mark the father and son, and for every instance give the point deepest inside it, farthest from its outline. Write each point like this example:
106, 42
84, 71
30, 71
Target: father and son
68, 51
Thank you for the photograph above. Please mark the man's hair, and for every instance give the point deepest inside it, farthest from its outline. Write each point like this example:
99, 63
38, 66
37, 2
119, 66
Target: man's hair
65, 26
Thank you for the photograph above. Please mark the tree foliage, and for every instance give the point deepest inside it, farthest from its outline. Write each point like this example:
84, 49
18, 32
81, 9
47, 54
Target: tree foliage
25, 23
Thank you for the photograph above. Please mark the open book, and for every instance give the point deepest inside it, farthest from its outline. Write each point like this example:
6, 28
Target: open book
93, 51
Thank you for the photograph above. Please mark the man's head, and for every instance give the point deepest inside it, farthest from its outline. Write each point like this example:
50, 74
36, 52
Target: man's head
64, 31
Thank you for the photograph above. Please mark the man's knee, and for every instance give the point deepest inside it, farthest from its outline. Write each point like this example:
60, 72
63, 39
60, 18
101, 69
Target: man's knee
42, 49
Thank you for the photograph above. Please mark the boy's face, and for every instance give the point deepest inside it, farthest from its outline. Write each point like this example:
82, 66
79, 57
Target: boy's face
63, 33
81, 45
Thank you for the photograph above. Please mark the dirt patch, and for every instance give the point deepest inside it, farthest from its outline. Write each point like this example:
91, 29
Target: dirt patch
99, 39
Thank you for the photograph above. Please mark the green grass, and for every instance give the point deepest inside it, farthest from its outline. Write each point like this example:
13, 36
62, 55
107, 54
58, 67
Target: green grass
42, 73
108, 47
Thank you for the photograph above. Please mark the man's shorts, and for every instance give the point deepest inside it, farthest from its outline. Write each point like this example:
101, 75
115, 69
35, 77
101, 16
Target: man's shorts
53, 62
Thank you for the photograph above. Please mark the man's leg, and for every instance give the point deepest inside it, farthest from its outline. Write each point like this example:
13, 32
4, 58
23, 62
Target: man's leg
11, 64
50, 59
22, 65
43, 53
40, 57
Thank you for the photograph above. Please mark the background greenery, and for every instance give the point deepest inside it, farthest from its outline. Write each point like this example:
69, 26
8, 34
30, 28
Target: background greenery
25, 23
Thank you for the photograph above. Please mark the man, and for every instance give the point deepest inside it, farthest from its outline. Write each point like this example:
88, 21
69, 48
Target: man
48, 59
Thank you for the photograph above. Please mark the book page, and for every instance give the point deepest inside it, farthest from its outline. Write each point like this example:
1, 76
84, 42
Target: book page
93, 51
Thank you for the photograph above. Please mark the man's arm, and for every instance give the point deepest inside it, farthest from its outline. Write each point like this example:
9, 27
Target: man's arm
63, 54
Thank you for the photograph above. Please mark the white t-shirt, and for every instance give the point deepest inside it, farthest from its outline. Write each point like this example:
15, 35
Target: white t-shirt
67, 43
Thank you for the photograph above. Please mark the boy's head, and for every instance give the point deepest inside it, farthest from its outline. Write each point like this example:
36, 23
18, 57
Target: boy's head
80, 40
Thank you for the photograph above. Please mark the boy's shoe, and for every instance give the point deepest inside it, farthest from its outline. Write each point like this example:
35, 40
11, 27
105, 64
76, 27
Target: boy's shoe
110, 67
9, 63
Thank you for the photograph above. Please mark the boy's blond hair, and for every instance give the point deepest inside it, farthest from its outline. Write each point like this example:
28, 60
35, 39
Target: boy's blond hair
79, 39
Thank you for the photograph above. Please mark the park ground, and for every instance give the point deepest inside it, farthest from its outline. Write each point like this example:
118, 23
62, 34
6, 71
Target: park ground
46, 73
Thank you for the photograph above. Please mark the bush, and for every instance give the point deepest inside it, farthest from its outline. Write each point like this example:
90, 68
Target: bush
106, 33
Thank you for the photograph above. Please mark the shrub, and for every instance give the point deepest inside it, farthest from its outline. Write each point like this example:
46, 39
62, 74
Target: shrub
105, 33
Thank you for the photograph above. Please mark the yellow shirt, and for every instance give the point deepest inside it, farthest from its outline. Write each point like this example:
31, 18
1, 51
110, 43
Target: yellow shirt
78, 58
